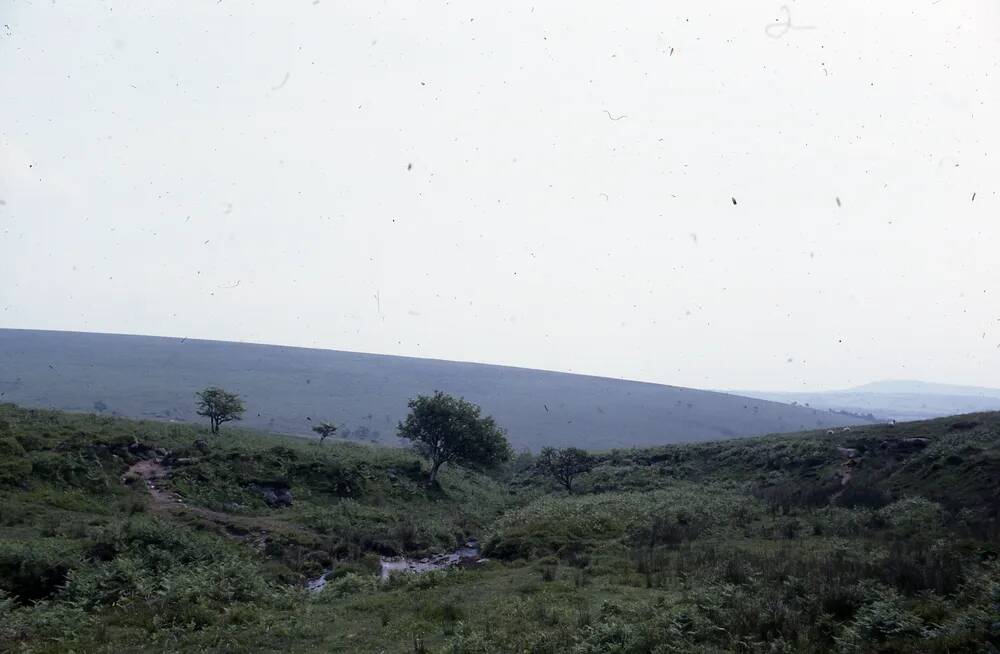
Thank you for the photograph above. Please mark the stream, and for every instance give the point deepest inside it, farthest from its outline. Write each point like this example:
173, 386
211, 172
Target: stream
469, 553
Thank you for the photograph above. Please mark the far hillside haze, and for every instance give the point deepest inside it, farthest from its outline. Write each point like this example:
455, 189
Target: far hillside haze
291, 389
894, 400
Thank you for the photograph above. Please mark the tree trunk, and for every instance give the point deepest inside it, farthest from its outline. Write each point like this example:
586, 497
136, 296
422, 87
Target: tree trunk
434, 471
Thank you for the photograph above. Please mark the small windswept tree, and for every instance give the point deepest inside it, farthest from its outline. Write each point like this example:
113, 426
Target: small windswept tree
219, 406
565, 465
447, 429
325, 430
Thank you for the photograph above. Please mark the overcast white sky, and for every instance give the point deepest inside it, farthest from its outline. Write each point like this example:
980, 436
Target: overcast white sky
541, 184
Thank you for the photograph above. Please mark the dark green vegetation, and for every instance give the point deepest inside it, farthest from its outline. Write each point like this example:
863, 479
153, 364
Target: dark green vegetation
876, 540
287, 389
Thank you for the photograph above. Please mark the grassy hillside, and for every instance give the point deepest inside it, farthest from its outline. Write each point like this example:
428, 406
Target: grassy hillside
287, 389
877, 539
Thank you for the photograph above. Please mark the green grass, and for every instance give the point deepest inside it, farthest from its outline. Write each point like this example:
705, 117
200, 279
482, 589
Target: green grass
747, 545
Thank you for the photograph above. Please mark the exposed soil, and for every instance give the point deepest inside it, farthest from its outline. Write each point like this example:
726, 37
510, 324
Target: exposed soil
846, 473
152, 473
249, 529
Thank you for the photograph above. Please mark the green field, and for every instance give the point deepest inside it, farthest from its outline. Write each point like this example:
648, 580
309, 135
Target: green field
880, 539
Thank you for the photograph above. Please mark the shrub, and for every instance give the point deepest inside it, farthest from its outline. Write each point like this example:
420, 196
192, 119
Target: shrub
14, 467
348, 584
913, 515
34, 571
884, 618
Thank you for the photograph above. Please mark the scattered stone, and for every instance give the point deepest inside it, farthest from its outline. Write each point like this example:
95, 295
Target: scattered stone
463, 556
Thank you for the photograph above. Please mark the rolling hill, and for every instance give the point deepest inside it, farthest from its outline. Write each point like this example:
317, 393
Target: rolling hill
899, 400
289, 389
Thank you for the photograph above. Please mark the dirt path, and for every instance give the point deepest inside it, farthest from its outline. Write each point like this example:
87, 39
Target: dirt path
846, 473
154, 475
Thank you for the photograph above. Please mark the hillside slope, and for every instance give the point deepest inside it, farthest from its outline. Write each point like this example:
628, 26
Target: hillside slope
287, 389
120, 535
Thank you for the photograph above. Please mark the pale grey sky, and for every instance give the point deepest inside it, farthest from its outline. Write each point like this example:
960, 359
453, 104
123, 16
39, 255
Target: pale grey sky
541, 184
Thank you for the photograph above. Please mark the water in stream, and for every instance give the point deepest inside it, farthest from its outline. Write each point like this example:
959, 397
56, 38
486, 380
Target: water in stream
463, 555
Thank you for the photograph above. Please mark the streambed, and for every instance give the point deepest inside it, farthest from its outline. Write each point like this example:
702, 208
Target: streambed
467, 554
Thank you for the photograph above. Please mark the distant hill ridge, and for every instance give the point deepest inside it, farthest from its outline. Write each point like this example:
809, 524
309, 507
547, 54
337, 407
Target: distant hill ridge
894, 399
924, 388
289, 389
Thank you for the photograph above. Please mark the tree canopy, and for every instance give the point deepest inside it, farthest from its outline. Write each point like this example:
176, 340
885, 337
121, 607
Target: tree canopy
564, 465
447, 429
219, 406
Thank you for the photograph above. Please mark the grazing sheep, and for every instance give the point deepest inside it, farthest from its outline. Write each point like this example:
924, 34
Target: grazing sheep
845, 429
830, 432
